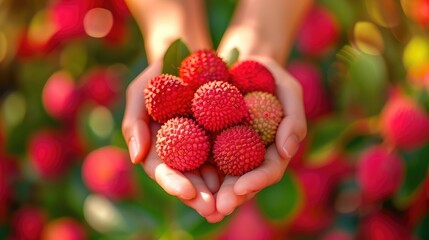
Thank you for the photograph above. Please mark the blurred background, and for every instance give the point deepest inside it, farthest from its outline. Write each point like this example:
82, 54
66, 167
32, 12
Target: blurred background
362, 172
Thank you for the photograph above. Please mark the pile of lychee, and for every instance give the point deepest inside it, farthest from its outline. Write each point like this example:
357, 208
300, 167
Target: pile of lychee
215, 114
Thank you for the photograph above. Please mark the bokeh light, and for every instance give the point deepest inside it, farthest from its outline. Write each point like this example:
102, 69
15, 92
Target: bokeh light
101, 122
98, 22
14, 109
368, 39
3, 46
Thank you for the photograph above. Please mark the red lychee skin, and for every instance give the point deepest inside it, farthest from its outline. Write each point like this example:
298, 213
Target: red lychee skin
167, 97
382, 226
265, 112
65, 228
316, 102
319, 32
28, 223
257, 227
108, 171
403, 123
217, 105
238, 150
250, 76
49, 153
202, 67
101, 86
61, 98
379, 173
182, 144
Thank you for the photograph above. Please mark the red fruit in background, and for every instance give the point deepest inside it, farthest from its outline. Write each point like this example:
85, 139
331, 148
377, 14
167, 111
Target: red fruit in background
217, 105
316, 101
60, 96
248, 223
101, 86
379, 173
167, 97
108, 171
65, 228
403, 123
318, 33
251, 76
49, 153
315, 214
383, 226
338, 234
419, 10
202, 67
182, 144
28, 223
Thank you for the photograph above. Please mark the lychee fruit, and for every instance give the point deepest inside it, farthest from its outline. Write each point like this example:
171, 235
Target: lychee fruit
28, 223
379, 173
217, 105
182, 144
101, 86
108, 171
238, 150
265, 112
167, 97
383, 225
250, 76
65, 228
403, 123
319, 32
315, 98
201, 67
61, 98
49, 153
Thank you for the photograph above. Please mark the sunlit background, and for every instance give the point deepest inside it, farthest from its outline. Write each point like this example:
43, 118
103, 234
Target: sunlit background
362, 172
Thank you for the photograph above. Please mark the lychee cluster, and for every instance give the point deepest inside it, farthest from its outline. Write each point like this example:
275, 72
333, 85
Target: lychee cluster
210, 110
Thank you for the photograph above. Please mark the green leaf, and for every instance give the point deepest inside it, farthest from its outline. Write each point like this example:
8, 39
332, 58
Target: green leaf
281, 201
422, 229
416, 168
174, 56
232, 57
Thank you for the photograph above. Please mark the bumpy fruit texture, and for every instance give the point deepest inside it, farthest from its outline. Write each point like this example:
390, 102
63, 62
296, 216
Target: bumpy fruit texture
28, 223
257, 226
61, 98
315, 98
49, 153
379, 173
383, 225
217, 105
167, 97
101, 86
266, 112
201, 67
238, 150
65, 228
182, 144
319, 32
250, 76
403, 123
108, 171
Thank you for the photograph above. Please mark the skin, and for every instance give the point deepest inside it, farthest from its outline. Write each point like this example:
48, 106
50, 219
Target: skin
268, 28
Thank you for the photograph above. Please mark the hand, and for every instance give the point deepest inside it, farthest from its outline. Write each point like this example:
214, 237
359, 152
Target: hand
234, 191
194, 188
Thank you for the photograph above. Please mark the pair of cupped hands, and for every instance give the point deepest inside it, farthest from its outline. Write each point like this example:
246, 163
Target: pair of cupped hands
211, 195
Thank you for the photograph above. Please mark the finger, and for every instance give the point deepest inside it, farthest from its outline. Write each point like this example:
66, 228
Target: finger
293, 128
215, 217
270, 172
204, 202
210, 176
136, 119
226, 199
171, 180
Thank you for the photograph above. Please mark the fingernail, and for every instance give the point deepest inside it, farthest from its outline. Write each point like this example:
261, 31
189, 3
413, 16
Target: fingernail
134, 149
291, 146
